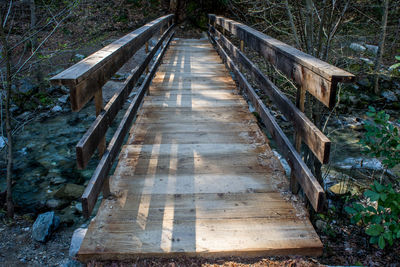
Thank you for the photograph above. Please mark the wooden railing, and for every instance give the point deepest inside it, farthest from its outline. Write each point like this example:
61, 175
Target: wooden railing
85, 81
310, 74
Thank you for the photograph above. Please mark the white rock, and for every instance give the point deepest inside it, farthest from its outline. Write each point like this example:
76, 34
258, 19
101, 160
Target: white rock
357, 47
56, 109
76, 241
63, 99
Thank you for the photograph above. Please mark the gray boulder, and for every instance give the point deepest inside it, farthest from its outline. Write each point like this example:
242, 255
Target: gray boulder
44, 226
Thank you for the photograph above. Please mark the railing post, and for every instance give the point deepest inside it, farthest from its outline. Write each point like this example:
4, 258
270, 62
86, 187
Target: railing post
300, 99
98, 101
147, 51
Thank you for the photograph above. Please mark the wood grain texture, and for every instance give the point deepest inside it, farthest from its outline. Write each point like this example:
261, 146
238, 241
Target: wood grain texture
92, 191
90, 74
306, 179
318, 143
89, 141
196, 177
316, 76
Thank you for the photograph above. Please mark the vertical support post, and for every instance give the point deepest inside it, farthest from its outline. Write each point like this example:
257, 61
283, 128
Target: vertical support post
147, 51
98, 101
300, 100
241, 49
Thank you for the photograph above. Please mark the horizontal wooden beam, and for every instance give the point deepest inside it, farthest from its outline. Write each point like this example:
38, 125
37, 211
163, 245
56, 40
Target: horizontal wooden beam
316, 76
90, 74
90, 140
93, 189
306, 179
318, 143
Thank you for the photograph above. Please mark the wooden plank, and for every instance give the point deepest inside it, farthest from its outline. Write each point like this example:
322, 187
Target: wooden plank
230, 166
87, 144
318, 143
187, 115
90, 195
196, 182
318, 77
194, 103
187, 150
206, 225
90, 74
306, 179
181, 127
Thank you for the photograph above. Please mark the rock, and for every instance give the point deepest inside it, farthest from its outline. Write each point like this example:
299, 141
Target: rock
78, 207
56, 203
357, 163
367, 61
56, 108
64, 89
76, 241
364, 82
70, 191
79, 57
71, 263
357, 47
57, 180
3, 141
344, 188
44, 226
68, 215
373, 49
26, 86
63, 99
389, 96
321, 225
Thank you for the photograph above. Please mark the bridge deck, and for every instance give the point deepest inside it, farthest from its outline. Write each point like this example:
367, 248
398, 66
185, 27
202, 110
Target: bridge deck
197, 176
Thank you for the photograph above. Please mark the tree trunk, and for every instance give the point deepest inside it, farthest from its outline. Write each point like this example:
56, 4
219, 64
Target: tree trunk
378, 60
7, 88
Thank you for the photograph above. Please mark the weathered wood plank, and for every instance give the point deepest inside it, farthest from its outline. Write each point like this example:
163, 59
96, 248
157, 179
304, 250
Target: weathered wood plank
306, 179
318, 77
89, 141
311, 135
90, 195
90, 74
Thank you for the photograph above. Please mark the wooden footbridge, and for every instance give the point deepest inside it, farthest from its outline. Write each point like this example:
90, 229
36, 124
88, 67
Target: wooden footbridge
196, 176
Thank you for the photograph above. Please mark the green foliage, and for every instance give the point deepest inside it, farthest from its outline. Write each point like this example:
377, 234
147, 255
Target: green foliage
395, 66
381, 218
382, 139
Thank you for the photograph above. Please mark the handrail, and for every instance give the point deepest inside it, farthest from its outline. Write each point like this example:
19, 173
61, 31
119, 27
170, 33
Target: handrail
90, 74
316, 76
99, 177
85, 80
318, 143
311, 74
